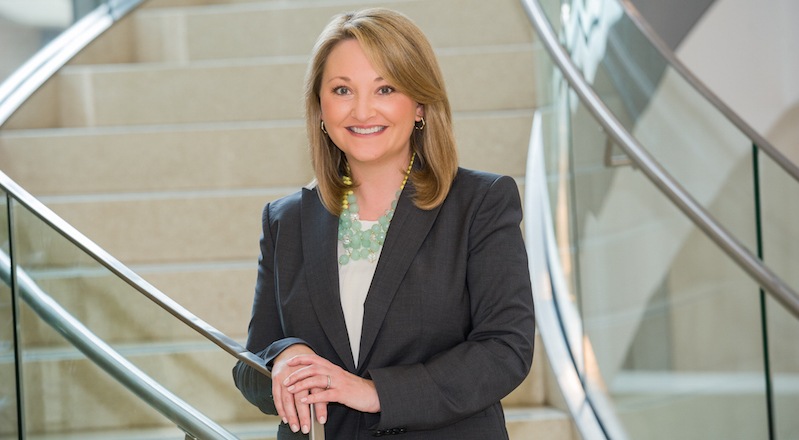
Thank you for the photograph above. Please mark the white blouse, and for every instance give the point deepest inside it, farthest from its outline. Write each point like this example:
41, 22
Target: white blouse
355, 278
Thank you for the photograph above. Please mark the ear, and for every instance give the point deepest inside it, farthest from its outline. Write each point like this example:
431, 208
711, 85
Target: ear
419, 112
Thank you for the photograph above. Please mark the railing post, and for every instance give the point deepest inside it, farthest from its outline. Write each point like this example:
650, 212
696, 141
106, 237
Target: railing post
15, 318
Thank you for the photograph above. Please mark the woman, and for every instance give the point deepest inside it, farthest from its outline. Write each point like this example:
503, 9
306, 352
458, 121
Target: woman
394, 294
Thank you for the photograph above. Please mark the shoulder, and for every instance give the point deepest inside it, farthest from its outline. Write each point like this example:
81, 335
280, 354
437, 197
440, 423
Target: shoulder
476, 185
288, 208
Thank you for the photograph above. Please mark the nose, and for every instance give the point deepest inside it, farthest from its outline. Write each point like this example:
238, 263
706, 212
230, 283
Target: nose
363, 107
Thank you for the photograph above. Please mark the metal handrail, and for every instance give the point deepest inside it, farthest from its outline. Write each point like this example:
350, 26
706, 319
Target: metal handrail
189, 419
750, 263
756, 138
134, 280
45, 63
19, 87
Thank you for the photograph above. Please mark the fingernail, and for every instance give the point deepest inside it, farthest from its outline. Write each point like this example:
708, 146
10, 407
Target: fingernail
295, 428
285, 420
322, 420
305, 429
286, 382
291, 388
303, 399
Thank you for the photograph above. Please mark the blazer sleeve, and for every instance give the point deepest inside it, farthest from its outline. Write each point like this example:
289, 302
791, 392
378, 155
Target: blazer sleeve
265, 336
497, 353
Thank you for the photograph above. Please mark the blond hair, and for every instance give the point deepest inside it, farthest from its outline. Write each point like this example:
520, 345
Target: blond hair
401, 54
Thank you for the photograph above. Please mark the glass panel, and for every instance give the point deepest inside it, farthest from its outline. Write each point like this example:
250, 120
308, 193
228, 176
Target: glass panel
698, 146
67, 394
672, 326
783, 331
8, 375
664, 309
779, 200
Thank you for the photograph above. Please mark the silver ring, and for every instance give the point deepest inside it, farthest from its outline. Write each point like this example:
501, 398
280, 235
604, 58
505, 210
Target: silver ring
328, 383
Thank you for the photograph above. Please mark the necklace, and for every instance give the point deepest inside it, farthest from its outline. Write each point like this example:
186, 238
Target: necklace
366, 244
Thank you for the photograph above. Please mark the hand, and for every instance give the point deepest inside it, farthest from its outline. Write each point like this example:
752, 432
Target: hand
313, 373
293, 412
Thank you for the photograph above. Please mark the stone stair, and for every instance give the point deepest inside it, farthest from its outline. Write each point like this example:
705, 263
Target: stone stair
164, 138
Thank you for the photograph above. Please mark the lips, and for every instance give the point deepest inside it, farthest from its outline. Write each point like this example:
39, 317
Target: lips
370, 130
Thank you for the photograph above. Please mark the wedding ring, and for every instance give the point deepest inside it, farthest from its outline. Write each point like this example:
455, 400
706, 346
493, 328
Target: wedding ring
328, 382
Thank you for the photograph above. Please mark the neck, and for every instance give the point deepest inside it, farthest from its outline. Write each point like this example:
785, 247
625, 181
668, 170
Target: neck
377, 187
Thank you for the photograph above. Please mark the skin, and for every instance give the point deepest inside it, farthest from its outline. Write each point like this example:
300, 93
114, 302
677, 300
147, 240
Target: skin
371, 122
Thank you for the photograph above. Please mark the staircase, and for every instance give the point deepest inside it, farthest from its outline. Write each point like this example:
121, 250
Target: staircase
164, 138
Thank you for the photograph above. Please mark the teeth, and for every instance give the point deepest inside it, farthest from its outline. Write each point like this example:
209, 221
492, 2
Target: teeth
366, 130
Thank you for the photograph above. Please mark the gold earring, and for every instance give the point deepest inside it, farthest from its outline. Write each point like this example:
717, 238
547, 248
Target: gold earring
323, 127
417, 126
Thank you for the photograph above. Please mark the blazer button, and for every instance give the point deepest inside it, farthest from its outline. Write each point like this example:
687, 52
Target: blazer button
377, 434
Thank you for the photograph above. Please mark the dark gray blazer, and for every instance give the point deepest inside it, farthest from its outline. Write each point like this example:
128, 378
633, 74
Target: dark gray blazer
448, 322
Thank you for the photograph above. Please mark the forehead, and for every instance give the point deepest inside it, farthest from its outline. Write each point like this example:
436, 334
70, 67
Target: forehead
349, 60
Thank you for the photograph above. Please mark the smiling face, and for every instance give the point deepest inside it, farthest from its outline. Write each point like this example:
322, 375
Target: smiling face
369, 120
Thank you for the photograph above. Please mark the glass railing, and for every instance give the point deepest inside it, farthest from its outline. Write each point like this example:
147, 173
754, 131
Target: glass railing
9, 420
58, 385
675, 338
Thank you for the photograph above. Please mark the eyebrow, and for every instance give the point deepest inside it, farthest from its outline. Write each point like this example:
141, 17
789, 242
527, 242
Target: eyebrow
347, 79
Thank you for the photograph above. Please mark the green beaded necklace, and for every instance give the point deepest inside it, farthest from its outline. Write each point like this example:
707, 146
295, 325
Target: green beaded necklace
360, 244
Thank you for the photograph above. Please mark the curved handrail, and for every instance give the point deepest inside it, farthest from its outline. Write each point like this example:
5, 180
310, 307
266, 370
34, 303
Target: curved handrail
16, 89
558, 320
30, 76
189, 419
752, 265
756, 138
134, 280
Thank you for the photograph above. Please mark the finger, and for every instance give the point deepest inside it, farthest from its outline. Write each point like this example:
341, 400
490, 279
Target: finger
304, 413
290, 410
301, 375
321, 412
316, 381
307, 359
276, 398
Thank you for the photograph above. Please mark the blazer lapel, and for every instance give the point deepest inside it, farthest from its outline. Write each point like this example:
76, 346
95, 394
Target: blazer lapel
409, 228
319, 228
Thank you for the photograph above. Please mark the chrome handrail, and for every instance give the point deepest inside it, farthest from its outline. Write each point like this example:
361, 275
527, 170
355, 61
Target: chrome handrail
188, 418
19, 87
45, 63
66, 230
750, 263
756, 138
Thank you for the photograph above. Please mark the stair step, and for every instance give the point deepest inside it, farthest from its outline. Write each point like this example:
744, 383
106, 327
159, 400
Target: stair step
546, 423
71, 393
231, 155
150, 228
291, 28
248, 90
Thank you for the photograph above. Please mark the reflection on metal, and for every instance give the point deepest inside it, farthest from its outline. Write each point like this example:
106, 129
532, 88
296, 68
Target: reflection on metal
655, 172
122, 370
557, 316
615, 160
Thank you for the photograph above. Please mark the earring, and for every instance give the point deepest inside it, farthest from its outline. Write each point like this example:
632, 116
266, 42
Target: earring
323, 127
417, 126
